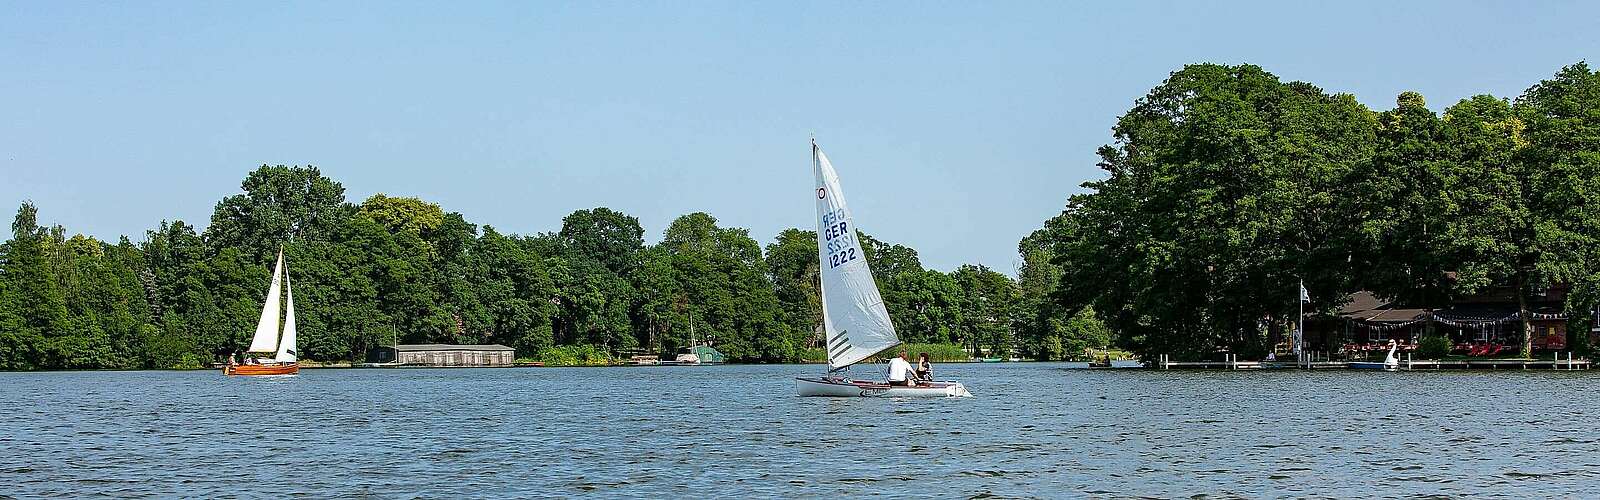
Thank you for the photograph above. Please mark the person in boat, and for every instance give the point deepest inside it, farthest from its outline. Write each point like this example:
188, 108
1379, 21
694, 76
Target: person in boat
900, 371
924, 369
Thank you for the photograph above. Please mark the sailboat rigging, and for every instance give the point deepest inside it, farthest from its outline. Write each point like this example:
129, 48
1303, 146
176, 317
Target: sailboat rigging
853, 314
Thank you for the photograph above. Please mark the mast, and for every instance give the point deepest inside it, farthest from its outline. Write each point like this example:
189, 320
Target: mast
822, 291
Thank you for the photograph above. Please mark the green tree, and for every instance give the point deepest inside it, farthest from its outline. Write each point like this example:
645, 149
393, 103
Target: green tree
279, 204
1224, 190
1404, 203
404, 214
986, 302
1045, 331
926, 306
612, 238
792, 261
720, 282
35, 310
1533, 183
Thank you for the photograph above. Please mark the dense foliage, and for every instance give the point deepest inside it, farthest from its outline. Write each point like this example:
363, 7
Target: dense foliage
1225, 188
396, 269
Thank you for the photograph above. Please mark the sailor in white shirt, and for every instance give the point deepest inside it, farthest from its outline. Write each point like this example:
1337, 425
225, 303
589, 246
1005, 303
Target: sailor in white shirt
899, 370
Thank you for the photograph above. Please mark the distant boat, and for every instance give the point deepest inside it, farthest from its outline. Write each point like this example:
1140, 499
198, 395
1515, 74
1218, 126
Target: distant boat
285, 359
853, 315
696, 354
700, 355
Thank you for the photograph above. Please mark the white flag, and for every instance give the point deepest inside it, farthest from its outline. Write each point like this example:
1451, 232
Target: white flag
1304, 296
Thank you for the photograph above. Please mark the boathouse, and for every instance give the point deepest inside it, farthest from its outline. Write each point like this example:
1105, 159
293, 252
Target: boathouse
445, 355
1490, 320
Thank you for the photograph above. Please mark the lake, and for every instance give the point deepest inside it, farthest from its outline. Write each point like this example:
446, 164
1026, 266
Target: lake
1033, 429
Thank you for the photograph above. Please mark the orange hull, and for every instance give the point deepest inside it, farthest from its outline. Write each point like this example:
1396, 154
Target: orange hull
284, 369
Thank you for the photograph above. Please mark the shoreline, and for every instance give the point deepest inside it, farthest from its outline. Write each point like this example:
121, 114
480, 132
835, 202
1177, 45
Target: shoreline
1500, 364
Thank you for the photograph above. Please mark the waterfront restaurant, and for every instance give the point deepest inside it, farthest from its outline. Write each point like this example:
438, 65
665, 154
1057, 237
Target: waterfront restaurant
1486, 324
444, 355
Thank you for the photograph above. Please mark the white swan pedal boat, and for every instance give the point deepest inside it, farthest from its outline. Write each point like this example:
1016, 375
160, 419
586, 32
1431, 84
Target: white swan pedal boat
847, 388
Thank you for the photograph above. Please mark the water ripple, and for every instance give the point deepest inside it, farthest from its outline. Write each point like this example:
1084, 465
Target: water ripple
1034, 430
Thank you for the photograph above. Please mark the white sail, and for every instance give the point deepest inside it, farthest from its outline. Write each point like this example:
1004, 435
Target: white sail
266, 339
858, 326
287, 352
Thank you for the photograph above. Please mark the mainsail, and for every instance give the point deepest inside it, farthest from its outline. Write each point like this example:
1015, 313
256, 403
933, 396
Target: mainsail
266, 339
287, 352
857, 324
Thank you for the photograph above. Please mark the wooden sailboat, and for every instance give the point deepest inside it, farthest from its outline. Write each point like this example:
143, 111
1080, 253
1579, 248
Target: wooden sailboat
857, 324
285, 358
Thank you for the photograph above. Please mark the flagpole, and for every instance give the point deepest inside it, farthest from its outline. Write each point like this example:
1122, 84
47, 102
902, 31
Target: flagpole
1300, 326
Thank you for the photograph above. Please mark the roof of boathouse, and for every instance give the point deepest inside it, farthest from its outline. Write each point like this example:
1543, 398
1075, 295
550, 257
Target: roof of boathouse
1365, 306
451, 347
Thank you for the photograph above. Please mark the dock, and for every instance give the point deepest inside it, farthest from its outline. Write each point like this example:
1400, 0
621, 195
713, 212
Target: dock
1231, 362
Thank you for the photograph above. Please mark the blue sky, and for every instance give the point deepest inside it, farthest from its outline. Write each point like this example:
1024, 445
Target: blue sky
957, 127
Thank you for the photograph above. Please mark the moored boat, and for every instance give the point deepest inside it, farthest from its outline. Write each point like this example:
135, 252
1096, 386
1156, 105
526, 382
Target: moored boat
856, 323
285, 358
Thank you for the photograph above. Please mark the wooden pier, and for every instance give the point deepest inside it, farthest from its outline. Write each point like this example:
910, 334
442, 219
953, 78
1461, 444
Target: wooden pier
1232, 362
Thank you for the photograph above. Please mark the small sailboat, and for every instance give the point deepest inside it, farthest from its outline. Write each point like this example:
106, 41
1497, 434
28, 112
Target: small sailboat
285, 358
857, 324
696, 354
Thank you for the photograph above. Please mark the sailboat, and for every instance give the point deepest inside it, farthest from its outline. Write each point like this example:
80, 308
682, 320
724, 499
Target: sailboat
857, 324
696, 354
285, 358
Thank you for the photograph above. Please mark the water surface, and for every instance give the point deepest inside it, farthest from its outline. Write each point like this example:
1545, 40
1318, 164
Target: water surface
1032, 430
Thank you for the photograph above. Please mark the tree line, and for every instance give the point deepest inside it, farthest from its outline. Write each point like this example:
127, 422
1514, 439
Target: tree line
398, 269
1224, 188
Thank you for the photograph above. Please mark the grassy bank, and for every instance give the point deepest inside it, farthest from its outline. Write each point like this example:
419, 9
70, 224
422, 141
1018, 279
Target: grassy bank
573, 355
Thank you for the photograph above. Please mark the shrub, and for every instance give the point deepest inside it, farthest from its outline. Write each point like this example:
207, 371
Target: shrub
813, 355
574, 355
1433, 347
936, 352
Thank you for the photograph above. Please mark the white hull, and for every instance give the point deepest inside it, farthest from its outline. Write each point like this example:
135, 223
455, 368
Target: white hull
845, 388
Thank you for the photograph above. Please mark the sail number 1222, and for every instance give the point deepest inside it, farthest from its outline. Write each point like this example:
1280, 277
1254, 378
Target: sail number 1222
841, 244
